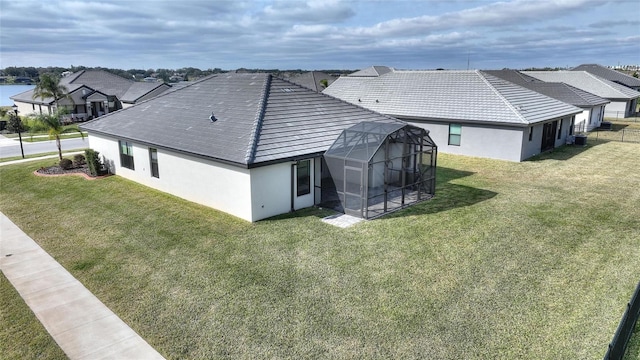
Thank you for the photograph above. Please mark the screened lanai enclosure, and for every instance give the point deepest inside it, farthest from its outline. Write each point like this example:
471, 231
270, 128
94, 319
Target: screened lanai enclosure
379, 167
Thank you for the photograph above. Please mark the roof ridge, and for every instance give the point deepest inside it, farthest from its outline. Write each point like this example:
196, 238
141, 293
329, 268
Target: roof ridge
604, 82
313, 78
497, 92
578, 92
257, 122
78, 73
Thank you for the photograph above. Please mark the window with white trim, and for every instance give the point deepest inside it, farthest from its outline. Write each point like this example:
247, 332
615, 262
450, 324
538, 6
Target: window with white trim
153, 161
303, 177
560, 129
455, 134
126, 155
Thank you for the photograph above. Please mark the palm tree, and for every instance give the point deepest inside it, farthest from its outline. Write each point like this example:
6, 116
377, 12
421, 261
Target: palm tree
55, 128
50, 87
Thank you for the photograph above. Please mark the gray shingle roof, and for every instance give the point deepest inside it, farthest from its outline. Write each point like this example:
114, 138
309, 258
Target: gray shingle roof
587, 82
311, 80
609, 74
449, 95
99, 80
259, 119
27, 96
140, 89
560, 91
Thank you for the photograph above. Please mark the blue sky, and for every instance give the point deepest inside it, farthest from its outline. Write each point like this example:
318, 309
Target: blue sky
322, 34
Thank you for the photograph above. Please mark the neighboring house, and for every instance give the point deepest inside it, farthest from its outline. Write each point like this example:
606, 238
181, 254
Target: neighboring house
92, 93
252, 145
314, 80
610, 74
592, 105
623, 100
467, 112
372, 71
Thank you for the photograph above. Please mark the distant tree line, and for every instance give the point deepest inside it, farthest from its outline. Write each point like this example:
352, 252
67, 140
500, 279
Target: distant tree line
167, 75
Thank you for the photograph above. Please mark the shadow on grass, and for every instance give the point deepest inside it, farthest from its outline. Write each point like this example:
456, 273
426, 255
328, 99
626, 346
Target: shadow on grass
566, 152
616, 127
448, 195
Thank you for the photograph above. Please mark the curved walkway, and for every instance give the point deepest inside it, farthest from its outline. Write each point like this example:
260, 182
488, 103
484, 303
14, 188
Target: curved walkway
82, 325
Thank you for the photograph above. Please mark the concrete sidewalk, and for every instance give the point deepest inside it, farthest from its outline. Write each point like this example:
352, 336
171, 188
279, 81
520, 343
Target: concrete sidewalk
82, 325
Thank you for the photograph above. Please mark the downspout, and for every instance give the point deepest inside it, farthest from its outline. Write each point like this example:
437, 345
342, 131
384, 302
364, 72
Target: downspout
292, 186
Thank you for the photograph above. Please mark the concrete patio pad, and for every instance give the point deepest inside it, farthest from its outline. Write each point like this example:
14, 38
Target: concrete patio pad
342, 220
82, 325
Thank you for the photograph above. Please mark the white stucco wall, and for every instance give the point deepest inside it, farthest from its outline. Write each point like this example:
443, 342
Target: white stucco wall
250, 194
272, 189
590, 118
533, 147
617, 109
220, 186
25, 109
503, 143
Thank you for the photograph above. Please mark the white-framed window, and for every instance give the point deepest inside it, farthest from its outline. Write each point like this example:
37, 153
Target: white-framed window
455, 134
560, 129
303, 177
153, 161
126, 155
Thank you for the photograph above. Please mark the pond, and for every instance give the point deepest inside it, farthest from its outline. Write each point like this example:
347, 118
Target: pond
7, 91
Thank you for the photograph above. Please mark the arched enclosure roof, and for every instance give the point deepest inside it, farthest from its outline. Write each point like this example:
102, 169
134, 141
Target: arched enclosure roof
378, 167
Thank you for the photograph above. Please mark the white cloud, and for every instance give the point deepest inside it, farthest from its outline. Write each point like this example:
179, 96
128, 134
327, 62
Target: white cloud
307, 34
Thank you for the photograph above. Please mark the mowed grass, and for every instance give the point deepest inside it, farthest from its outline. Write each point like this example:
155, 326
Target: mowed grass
509, 260
21, 334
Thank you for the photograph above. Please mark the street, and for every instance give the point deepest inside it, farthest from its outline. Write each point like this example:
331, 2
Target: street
11, 148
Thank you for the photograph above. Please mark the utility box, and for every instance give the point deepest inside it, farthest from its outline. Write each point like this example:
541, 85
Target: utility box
605, 125
581, 140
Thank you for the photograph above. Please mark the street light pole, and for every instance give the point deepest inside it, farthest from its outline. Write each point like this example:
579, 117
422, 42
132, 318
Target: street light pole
19, 123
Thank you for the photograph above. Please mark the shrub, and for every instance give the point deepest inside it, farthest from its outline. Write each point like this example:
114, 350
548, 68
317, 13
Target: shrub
78, 160
93, 161
66, 164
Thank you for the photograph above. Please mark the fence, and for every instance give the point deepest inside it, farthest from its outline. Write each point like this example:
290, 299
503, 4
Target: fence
618, 345
624, 135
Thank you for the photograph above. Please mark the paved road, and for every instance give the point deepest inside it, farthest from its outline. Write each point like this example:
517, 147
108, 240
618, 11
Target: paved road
10, 148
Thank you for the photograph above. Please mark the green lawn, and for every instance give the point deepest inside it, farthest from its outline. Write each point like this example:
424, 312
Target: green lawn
26, 137
509, 260
64, 154
36, 133
21, 334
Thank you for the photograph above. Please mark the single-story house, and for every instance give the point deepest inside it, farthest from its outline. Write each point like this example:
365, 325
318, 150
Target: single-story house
253, 145
92, 93
467, 112
623, 100
610, 74
592, 105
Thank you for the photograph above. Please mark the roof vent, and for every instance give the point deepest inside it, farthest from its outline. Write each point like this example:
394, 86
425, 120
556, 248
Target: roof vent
212, 118
287, 90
